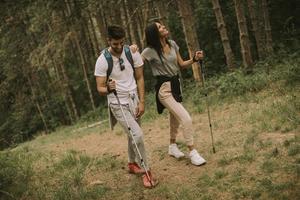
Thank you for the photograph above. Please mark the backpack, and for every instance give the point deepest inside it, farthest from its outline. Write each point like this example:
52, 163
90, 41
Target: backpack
109, 59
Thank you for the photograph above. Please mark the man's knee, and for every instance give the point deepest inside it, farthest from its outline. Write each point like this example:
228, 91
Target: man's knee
138, 137
136, 132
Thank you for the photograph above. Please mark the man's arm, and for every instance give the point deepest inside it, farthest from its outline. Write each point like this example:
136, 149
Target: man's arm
102, 87
139, 76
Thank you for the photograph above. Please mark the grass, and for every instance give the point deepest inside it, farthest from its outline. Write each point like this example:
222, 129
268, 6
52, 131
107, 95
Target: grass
255, 122
63, 134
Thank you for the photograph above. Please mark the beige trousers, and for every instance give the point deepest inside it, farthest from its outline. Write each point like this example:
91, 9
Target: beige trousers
178, 114
137, 133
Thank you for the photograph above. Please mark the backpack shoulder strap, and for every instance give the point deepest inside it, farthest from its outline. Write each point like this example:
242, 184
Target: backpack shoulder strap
129, 56
109, 60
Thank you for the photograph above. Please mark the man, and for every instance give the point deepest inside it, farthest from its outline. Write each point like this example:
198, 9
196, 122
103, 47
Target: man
127, 83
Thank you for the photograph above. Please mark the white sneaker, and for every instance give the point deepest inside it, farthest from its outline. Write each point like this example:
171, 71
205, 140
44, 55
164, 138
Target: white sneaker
196, 159
174, 151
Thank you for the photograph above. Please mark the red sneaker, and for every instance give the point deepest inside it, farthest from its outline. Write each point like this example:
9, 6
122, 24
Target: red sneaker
134, 168
149, 183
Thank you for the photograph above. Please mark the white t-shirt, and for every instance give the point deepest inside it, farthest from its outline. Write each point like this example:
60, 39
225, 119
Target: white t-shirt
125, 81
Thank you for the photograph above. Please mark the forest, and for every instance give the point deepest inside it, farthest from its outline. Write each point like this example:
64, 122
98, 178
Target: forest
55, 139
49, 49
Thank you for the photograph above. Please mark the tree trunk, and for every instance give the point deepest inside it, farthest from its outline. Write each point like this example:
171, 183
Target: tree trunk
75, 38
62, 90
244, 37
255, 28
191, 39
223, 33
32, 89
83, 34
89, 44
268, 32
34, 99
145, 15
101, 27
123, 16
95, 40
139, 31
162, 11
109, 12
84, 68
68, 91
135, 23
128, 12
90, 54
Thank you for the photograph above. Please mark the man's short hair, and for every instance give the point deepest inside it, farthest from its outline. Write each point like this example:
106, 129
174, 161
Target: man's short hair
115, 32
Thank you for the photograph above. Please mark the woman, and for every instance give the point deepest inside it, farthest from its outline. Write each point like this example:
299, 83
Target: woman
164, 58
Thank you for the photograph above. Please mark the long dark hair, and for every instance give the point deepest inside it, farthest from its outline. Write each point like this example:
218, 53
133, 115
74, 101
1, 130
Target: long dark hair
153, 39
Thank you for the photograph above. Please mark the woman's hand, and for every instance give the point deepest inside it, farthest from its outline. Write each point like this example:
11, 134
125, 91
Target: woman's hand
134, 48
198, 56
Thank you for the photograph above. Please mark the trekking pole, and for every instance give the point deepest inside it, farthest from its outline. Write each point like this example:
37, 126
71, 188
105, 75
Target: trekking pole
207, 105
131, 134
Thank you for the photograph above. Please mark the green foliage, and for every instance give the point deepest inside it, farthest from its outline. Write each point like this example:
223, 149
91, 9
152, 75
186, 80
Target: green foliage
280, 115
280, 76
236, 83
285, 26
150, 107
224, 161
205, 181
274, 189
16, 171
21, 179
100, 114
287, 69
294, 150
220, 174
71, 174
107, 162
268, 166
246, 158
31, 78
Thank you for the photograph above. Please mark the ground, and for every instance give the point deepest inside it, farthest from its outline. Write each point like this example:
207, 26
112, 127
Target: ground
235, 154
257, 156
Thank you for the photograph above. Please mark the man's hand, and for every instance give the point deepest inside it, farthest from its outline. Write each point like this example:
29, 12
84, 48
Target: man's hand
140, 110
111, 85
134, 48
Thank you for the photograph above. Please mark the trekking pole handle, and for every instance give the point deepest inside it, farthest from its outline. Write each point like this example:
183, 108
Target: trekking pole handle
202, 70
201, 65
114, 90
